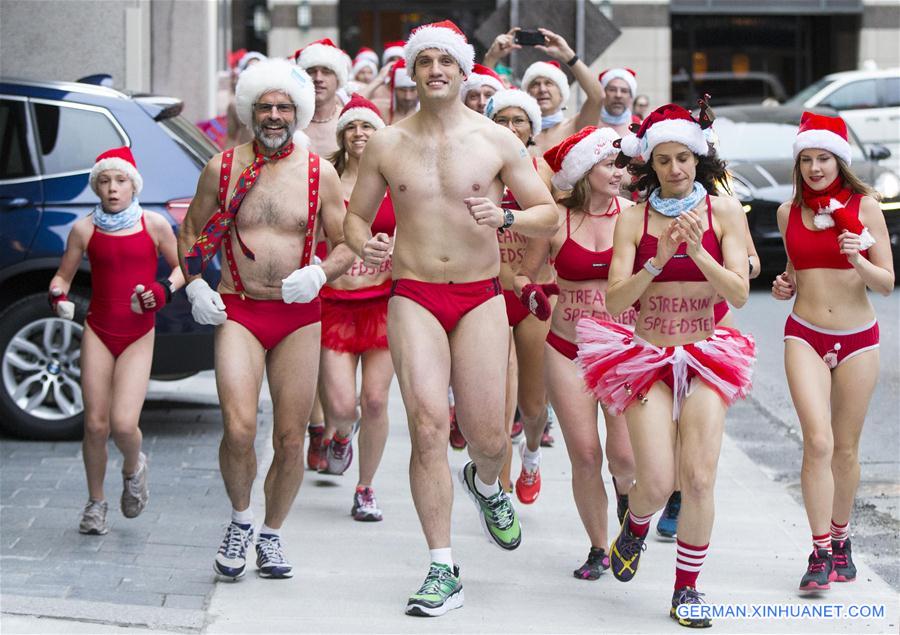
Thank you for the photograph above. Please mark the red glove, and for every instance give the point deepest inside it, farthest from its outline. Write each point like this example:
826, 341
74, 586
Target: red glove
151, 298
535, 298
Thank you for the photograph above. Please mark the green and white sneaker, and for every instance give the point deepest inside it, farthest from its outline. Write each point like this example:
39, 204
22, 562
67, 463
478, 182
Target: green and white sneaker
498, 517
441, 592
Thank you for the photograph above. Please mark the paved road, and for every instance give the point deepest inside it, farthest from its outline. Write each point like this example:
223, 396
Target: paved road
155, 571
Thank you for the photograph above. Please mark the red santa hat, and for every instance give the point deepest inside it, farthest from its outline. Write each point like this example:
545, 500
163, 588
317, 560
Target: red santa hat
398, 78
119, 159
823, 133
665, 124
392, 49
270, 75
574, 156
626, 74
515, 98
325, 53
480, 76
363, 62
359, 109
444, 36
552, 71
365, 52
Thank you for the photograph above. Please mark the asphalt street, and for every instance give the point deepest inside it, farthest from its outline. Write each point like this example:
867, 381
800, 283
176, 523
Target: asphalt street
155, 572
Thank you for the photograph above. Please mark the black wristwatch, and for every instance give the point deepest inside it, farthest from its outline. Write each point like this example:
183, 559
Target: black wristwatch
508, 220
572, 61
167, 288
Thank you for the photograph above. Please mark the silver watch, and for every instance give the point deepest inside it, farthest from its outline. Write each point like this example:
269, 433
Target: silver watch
508, 220
651, 268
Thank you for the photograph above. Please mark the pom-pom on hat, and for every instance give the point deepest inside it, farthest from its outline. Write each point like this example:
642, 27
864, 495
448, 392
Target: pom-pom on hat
823, 133
666, 123
392, 49
515, 98
626, 74
574, 156
480, 76
359, 109
270, 75
117, 159
444, 36
552, 71
325, 53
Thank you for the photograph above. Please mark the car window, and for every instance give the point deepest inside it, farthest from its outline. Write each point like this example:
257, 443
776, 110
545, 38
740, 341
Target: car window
71, 138
800, 98
189, 137
892, 92
761, 141
853, 96
15, 159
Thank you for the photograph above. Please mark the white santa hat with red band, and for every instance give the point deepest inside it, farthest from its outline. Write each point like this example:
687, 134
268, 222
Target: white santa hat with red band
515, 98
359, 109
119, 159
363, 62
574, 156
625, 74
444, 36
392, 49
550, 70
275, 75
398, 77
669, 123
823, 133
480, 76
325, 53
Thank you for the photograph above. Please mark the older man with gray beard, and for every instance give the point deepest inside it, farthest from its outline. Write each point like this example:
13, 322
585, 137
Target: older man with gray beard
266, 309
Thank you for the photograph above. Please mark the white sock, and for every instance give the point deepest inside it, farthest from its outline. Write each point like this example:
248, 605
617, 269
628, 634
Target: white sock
265, 529
531, 460
486, 489
242, 518
442, 556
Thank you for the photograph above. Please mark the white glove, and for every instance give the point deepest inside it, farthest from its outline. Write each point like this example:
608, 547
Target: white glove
206, 305
303, 284
61, 305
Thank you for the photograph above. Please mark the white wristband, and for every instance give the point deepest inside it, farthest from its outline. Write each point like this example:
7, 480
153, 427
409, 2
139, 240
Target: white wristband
651, 269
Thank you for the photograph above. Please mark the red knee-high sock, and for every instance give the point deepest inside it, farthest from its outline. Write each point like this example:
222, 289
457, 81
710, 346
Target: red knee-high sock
639, 525
840, 533
688, 561
822, 542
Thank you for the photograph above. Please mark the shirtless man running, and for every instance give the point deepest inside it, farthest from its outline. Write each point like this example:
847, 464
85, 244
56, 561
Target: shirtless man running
329, 68
266, 309
446, 317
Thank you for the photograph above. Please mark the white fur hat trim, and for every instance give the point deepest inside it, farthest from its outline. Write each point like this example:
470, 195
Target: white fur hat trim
275, 74
391, 51
114, 163
360, 114
329, 57
514, 98
620, 73
822, 140
475, 81
584, 155
443, 39
671, 130
551, 72
364, 62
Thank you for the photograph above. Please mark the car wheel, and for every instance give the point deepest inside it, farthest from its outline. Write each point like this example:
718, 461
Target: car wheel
40, 395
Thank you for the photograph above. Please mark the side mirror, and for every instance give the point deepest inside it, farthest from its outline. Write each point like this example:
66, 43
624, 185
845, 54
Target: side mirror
878, 152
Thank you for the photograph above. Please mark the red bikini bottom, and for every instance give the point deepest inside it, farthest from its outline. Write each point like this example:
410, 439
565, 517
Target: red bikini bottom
447, 302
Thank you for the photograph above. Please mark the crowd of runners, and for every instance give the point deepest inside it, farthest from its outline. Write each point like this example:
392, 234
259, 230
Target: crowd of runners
416, 214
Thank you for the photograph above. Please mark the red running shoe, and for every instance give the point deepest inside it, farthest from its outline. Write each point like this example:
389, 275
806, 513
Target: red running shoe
528, 485
516, 431
547, 439
457, 440
314, 453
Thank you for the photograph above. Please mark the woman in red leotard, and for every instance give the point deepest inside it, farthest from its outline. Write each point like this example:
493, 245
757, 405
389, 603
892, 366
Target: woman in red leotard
582, 248
675, 372
831, 337
123, 244
518, 111
354, 330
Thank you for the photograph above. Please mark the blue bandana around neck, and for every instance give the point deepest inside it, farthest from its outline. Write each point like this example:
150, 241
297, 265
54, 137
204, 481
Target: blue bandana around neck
673, 207
549, 121
613, 120
118, 220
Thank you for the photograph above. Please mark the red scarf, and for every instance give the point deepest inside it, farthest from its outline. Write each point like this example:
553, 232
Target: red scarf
210, 239
829, 207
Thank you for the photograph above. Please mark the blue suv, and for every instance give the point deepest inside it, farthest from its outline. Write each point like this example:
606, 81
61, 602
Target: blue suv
50, 133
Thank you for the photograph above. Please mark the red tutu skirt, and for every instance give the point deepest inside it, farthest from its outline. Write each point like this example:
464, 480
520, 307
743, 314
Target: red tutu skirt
355, 321
619, 367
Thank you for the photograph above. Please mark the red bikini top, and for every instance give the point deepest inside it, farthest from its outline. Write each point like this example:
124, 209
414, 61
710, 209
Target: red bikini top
816, 249
680, 268
384, 217
577, 263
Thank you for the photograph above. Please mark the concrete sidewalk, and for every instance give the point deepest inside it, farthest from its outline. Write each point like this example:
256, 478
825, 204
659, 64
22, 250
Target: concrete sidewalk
356, 577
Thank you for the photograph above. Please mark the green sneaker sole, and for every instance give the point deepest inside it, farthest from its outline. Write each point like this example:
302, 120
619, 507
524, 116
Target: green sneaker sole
494, 540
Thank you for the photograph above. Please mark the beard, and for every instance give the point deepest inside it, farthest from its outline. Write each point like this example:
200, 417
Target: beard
273, 143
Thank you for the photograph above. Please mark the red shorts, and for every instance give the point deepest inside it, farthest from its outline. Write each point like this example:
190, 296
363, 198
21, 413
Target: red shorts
447, 302
355, 321
515, 310
270, 321
832, 346
562, 345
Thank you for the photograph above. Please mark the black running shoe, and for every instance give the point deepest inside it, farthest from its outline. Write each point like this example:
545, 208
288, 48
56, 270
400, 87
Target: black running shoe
844, 569
597, 562
818, 573
689, 598
621, 502
625, 554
